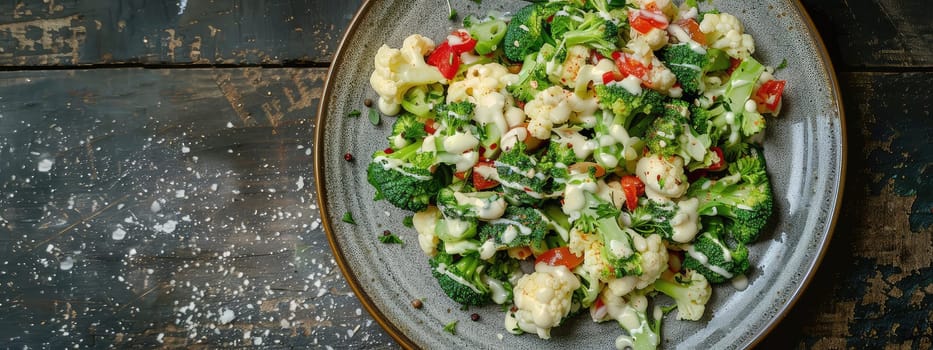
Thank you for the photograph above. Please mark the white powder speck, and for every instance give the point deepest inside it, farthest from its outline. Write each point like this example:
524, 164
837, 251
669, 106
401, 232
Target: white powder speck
118, 234
301, 182
120, 206
67, 263
226, 316
45, 165
179, 193
132, 252
213, 187
229, 124
257, 341
159, 337
186, 218
185, 149
308, 152
167, 227
49, 248
128, 220
155, 207
499, 336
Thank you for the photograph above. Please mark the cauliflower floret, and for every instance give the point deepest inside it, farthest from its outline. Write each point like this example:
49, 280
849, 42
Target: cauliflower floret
655, 38
725, 32
397, 70
425, 222
542, 298
653, 263
659, 77
611, 192
663, 177
484, 86
690, 290
555, 106
576, 59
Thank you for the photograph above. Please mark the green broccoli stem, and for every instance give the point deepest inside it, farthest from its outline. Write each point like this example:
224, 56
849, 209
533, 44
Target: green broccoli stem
488, 34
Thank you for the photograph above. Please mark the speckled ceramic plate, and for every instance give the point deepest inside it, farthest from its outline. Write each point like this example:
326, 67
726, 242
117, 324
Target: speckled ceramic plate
805, 149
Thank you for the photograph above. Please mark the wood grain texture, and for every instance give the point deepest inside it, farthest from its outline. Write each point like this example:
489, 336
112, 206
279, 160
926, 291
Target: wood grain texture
85, 155
69, 33
875, 285
166, 207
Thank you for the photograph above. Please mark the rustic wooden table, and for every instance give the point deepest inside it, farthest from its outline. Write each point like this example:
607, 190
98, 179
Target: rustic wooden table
156, 184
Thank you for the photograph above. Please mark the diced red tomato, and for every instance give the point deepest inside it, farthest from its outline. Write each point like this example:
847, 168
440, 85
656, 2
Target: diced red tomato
479, 181
691, 26
628, 65
720, 164
429, 127
520, 253
609, 77
643, 21
446, 56
465, 44
633, 188
769, 94
560, 256
445, 59
460, 175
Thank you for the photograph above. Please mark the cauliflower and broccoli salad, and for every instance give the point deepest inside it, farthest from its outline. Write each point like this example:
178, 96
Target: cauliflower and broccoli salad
614, 146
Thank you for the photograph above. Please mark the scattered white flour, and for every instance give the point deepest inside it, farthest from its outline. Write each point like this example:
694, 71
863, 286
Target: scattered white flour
226, 316
45, 165
155, 207
118, 234
67, 263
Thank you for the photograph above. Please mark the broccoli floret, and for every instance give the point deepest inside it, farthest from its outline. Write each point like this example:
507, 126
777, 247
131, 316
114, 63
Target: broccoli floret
744, 197
526, 31
461, 279
456, 233
501, 270
420, 100
716, 60
690, 290
520, 227
519, 176
687, 65
712, 258
634, 112
671, 134
454, 116
533, 77
564, 22
595, 32
653, 217
405, 178
488, 33
405, 131
618, 250
645, 332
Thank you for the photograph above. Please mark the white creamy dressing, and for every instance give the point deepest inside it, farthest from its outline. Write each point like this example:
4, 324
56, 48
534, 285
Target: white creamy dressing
499, 294
620, 248
632, 84
571, 137
704, 260
460, 142
524, 230
575, 194
485, 208
399, 142
488, 249
399, 166
457, 228
621, 135
740, 282
685, 221
429, 144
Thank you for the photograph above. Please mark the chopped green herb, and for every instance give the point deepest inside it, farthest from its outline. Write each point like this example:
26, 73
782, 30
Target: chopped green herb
374, 117
390, 239
355, 113
451, 327
782, 65
348, 218
408, 221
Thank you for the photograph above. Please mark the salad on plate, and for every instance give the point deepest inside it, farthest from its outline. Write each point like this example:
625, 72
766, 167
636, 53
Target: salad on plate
581, 157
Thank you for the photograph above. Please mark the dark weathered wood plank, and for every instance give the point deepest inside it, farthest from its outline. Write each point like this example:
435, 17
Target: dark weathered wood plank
860, 34
138, 205
874, 288
66, 33
875, 33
